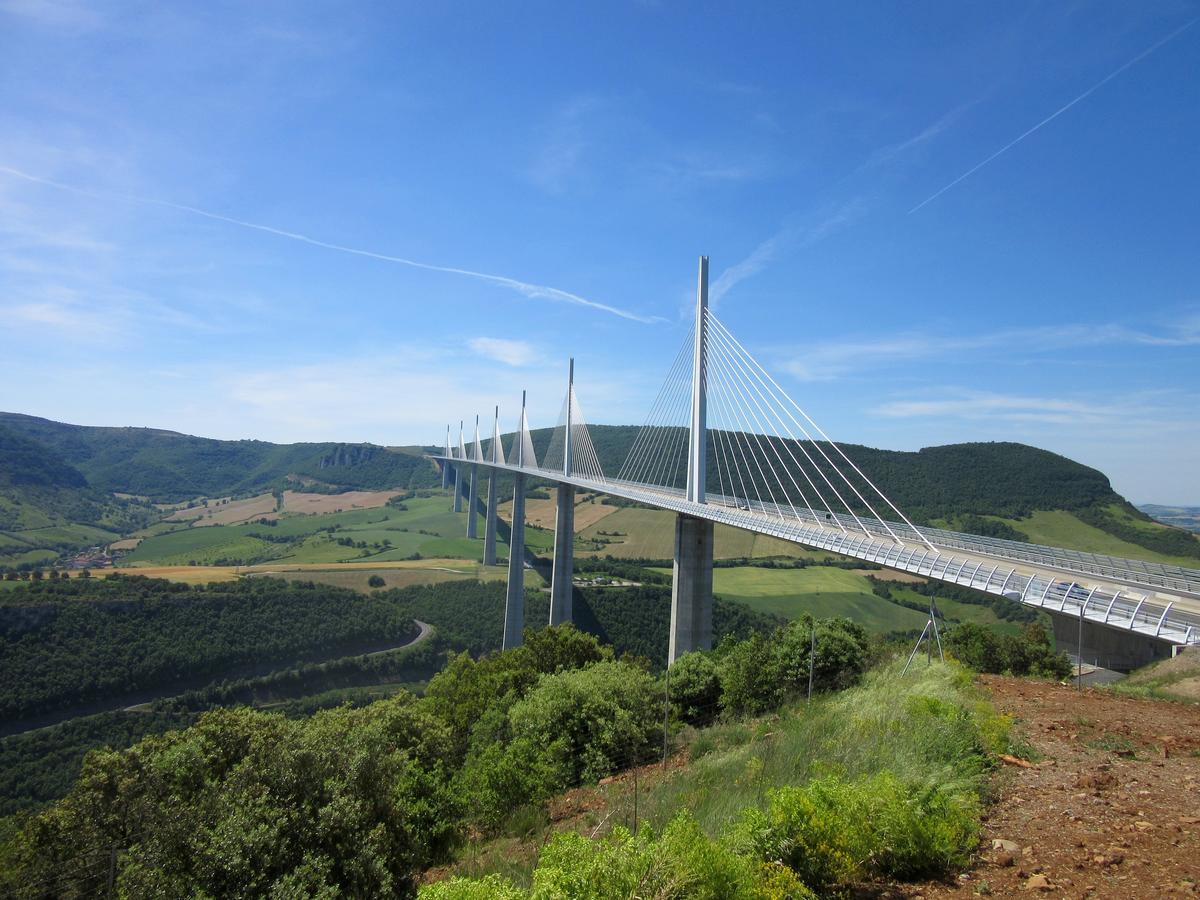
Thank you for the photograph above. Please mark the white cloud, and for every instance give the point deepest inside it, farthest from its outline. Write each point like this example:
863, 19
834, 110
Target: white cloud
511, 353
791, 238
827, 361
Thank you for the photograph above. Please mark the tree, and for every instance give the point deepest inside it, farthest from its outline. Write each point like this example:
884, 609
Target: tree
376, 581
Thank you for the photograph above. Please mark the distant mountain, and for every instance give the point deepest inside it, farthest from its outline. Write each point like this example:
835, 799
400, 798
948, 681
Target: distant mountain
165, 466
1186, 517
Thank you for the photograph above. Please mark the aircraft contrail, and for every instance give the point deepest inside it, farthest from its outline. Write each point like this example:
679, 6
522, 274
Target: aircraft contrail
538, 291
1054, 115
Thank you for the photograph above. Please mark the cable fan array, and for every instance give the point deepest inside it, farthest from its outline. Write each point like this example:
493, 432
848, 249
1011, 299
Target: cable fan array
584, 460
763, 451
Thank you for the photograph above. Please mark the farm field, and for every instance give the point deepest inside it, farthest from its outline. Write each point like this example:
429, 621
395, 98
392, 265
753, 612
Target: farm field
1060, 528
379, 534
820, 591
355, 575
223, 511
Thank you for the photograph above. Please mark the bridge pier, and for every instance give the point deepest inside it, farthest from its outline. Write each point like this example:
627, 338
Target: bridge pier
1110, 648
473, 504
514, 603
458, 488
564, 556
489, 522
691, 587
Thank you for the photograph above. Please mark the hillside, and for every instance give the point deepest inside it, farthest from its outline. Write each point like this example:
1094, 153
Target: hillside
166, 466
995, 488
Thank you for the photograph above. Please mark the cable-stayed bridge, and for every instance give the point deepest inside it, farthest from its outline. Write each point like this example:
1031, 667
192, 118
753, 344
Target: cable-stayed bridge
724, 444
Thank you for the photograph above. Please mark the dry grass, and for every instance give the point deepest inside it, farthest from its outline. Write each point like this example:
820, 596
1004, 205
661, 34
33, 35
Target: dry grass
227, 512
315, 504
541, 513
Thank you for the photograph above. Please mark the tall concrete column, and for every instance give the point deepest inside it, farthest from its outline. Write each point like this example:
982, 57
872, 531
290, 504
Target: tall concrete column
564, 556
446, 465
458, 471
691, 587
473, 495
473, 503
561, 589
514, 604
489, 522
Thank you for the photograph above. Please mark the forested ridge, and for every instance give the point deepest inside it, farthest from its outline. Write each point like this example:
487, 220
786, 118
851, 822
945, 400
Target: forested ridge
167, 466
66, 643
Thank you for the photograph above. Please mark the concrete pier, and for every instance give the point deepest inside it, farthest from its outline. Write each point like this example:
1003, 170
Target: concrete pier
514, 603
456, 471
691, 587
564, 556
489, 522
1109, 648
473, 504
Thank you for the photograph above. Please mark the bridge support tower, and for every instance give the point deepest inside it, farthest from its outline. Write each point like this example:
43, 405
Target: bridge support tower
489, 522
473, 493
514, 603
562, 577
691, 586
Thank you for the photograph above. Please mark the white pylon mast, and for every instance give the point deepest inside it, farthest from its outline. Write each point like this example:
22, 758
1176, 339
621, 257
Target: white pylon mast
697, 434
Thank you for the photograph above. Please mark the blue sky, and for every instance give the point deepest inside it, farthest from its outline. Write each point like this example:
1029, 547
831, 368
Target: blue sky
577, 160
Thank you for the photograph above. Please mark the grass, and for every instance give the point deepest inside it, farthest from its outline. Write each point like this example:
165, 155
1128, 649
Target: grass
930, 731
1059, 528
426, 527
819, 590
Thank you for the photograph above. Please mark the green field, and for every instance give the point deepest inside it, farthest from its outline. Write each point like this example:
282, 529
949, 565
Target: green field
426, 527
650, 534
1059, 528
818, 590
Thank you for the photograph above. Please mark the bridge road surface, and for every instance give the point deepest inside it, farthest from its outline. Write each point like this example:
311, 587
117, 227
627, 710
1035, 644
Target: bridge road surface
1148, 599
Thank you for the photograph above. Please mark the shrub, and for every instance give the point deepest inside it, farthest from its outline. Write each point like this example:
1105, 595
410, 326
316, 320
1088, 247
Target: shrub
841, 653
750, 678
590, 722
833, 830
493, 887
694, 688
376, 581
682, 863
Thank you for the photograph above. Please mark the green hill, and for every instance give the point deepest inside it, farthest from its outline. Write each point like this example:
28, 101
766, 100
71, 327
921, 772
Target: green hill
166, 466
1000, 489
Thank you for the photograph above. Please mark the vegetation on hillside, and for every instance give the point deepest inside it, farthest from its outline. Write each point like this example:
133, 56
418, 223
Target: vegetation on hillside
70, 643
167, 466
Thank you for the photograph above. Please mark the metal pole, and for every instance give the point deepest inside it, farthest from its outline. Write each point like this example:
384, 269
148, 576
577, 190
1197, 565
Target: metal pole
698, 433
912, 655
1079, 652
936, 633
812, 657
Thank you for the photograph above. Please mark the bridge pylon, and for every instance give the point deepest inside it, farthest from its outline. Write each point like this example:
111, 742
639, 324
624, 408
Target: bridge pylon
458, 485
489, 522
473, 494
691, 582
514, 602
562, 575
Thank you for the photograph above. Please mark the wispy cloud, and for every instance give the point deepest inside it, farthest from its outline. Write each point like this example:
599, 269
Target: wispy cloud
1129, 415
827, 361
1058, 112
69, 14
528, 289
788, 239
511, 353
885, 155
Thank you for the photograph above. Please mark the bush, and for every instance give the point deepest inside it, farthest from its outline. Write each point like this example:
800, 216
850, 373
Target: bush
834, 831
681, 863
694, 688
590, 722
1002, 654
376, 581
750, 677
841, 654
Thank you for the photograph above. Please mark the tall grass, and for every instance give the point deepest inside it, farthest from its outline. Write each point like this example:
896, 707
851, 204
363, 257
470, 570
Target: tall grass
928, 728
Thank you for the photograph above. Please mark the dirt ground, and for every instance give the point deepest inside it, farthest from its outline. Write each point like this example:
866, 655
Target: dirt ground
1110, 808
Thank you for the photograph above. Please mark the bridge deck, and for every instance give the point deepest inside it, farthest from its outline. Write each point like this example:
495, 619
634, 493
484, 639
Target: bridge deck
1157, 601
